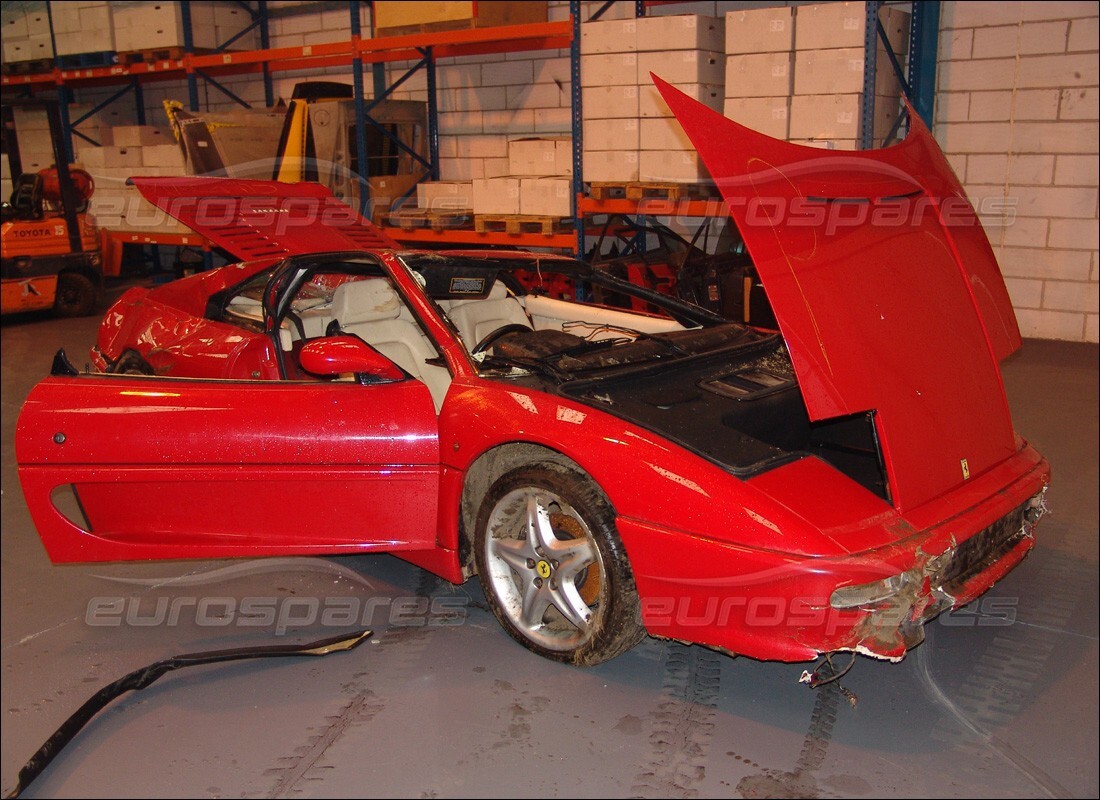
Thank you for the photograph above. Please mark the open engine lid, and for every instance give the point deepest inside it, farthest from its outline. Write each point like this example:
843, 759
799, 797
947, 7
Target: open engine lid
263, 219
885, 288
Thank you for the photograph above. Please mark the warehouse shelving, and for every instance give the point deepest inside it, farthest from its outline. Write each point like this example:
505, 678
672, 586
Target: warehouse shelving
424, 49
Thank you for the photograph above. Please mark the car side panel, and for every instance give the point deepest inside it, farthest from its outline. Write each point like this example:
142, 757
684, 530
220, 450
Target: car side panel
646, 476
188, 469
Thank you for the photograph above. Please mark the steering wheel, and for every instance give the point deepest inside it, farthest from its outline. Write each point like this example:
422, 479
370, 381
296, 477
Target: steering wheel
491, 337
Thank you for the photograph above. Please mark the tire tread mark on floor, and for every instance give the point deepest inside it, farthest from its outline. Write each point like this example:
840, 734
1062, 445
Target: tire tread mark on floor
361, 708
682, 725
406, 642
800, 782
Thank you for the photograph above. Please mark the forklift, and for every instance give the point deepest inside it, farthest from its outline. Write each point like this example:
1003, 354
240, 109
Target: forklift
51, 252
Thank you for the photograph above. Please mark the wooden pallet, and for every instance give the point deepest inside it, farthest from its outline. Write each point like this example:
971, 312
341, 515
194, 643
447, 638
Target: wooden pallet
643, 190
410, 218
32, 67
518, 223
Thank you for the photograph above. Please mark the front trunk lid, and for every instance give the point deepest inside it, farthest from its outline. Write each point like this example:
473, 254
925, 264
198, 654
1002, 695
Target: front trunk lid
884, 287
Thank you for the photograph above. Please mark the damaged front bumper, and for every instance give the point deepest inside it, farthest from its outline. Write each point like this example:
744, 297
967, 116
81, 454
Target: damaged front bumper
896, 608
787, 607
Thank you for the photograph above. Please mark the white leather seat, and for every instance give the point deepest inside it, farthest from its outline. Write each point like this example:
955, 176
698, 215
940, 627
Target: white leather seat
475, 319
372, 310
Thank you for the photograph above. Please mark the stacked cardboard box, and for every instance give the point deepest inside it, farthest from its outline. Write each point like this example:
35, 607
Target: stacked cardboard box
25, 31
538, 182
798, 74
398, 18
609, 100
151, 26
135, 150
83, 27
759, 61
629, 132
444, 195
829, 71
545, 167
33, 130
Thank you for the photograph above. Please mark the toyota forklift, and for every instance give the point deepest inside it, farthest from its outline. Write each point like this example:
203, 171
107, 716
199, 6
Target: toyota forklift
51, 252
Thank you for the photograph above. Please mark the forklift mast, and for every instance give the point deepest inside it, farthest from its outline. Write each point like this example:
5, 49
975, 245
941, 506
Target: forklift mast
69, 200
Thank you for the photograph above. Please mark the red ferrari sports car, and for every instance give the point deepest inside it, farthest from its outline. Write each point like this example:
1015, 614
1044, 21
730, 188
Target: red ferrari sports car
605, 473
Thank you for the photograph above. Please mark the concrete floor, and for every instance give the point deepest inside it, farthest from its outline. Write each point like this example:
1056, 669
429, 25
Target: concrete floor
1001, 701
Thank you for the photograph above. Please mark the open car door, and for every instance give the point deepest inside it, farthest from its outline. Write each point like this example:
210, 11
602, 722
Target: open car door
119, 467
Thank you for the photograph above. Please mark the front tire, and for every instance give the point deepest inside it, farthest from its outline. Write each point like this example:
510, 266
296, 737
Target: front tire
553, 568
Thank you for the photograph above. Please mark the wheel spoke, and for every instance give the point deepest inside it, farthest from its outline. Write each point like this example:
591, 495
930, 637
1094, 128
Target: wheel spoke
536, 599
567, 600
572, 555
512, 552
539, 530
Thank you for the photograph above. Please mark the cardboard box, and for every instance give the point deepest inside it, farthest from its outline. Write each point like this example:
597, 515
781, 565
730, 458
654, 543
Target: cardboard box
40, 46
94, 18
167, 156
760, 30
111, 156
663, 133
610, 134
387, 191
394, 18
610, 69
13, 27
563, 154
682, 66
149, 26
611, 166
832, 25
679, 166
838, 116
682, 32
651, 104
840, 71
38, 22
445, 195
16, 50
609, 36
768, 115
139, 136
536, 157
67, 20
610, 102
223, 15
758, 75
546, 197
496, 195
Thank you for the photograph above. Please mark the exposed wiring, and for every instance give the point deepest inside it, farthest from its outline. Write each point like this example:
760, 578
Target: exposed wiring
826, 673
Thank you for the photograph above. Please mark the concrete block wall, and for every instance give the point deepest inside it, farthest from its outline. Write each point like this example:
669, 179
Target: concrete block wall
1016, 113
